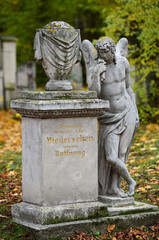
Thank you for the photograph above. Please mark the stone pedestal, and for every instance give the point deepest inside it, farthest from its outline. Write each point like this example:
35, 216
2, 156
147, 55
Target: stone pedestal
59, 147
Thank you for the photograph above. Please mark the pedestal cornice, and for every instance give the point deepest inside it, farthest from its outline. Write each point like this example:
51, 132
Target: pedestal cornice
59, 108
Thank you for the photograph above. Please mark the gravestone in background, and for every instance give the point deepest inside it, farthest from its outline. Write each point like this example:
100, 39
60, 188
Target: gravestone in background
76, 77
8, 67
25, 76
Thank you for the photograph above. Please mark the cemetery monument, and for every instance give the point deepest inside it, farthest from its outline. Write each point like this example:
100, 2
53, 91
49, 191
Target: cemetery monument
59, 140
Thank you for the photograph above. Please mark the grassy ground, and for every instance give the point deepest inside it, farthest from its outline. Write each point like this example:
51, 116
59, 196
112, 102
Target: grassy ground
143, 164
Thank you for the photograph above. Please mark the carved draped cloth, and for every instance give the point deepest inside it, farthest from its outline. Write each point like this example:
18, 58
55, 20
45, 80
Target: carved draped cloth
108, 123
59, 47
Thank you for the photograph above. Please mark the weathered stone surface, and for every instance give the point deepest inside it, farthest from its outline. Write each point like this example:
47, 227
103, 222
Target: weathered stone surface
69, 228
116, 201
32, 213
55, 85
108, 74
136, 207
59, 160
61, 95
59, 108
59, 148
57, 45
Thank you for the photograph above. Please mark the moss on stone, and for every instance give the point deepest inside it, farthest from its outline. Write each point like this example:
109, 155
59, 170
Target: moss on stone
136, 211
100, 212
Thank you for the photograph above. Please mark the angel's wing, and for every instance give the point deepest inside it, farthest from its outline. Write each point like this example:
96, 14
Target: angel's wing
122, 47
89, 54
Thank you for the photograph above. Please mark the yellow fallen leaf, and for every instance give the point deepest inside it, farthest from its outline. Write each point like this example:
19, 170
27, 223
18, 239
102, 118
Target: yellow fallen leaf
12, 173
10, 163
143, 139
8, 167
152, 127
148, 187
137, 144
2, 216
3, 200
15, 194
110, 228
141, 189
149, 170
154, 172
153, 148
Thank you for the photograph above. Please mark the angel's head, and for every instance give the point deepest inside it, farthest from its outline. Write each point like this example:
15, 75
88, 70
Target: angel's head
106, 49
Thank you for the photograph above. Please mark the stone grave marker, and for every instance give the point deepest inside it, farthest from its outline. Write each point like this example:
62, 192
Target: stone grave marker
26, 74
76, 77
59, 149
8, 68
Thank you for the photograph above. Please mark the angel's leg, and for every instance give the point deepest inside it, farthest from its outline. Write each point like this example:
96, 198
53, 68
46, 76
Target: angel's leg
111, 149
126, 138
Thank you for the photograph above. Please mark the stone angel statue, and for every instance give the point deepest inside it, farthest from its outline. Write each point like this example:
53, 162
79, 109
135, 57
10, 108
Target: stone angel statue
108, 73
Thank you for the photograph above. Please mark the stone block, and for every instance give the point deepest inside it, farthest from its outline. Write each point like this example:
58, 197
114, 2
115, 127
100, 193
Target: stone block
116, 201
36, 214
59, 160
59, 146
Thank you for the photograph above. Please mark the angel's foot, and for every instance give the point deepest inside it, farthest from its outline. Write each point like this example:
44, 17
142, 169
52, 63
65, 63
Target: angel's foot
131, 188
115, 191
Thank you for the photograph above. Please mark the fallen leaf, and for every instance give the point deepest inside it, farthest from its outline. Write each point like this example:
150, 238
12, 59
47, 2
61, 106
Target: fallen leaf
110, 228
2, 216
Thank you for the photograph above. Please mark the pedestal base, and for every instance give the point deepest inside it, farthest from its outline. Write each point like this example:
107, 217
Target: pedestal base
35, 214
65, 220
116, 201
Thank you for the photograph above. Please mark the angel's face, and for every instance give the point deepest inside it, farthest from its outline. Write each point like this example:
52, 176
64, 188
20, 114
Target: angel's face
105, 52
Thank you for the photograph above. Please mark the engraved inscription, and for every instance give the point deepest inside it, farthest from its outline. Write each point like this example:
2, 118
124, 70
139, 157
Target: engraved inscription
69, 141
70, 153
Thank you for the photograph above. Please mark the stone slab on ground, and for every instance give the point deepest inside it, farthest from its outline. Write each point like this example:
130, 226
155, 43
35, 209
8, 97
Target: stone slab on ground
116, 201
64, 230
136, 207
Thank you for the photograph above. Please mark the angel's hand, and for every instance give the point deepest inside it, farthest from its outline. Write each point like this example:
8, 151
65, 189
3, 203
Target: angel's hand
101, 67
